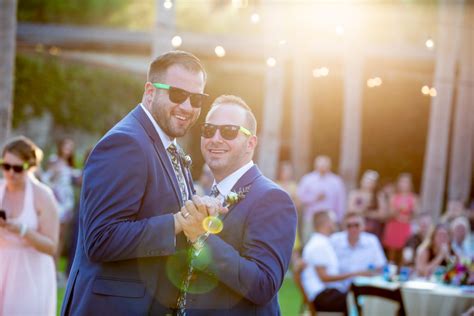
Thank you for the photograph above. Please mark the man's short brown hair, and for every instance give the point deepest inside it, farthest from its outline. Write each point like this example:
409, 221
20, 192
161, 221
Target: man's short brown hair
250, 120
159, 66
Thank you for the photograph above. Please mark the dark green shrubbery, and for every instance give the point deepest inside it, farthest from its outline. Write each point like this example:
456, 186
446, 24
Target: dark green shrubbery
79, 97
70, 11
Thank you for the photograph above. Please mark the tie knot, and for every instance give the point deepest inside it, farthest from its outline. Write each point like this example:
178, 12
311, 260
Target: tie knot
172, 149
214, 191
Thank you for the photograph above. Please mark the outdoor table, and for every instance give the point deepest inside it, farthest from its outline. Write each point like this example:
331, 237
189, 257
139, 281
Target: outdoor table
420, 298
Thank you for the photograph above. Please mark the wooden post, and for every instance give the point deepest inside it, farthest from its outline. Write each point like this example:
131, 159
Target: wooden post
301, 115
463, 130
7, 65
349, 162
270, 135
165, 27
434, 173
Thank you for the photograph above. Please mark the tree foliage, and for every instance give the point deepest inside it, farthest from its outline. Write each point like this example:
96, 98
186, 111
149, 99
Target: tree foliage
77, 96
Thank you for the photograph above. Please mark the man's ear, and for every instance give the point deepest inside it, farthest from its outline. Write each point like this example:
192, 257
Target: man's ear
252, 143
149, 93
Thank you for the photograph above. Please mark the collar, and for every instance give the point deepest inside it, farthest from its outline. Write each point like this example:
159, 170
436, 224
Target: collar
165, 139
226, 184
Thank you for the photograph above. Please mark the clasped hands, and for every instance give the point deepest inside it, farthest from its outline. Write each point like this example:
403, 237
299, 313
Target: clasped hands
190, 218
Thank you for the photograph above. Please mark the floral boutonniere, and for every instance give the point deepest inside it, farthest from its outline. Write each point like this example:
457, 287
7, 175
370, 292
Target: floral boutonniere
185, 158
235, 197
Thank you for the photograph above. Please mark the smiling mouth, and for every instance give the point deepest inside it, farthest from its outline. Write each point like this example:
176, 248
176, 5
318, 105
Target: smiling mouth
182, 117
217, 151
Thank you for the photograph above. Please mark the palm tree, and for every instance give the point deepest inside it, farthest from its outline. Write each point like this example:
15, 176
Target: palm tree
7, 63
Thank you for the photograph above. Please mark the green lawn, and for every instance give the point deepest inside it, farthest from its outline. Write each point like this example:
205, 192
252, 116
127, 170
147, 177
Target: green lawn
288, 296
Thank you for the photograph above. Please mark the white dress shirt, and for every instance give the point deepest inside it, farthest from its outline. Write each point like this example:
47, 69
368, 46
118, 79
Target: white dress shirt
225, 185
366, 253
318, 252
165, 139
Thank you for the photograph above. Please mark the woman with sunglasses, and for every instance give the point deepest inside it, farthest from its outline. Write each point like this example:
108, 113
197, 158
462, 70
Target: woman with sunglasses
28, 234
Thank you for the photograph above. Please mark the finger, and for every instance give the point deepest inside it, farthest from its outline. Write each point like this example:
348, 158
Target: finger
191, 208
200, 204
223, 210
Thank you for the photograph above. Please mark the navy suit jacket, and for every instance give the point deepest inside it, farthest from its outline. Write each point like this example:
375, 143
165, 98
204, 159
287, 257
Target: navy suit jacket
241, 269
126, 253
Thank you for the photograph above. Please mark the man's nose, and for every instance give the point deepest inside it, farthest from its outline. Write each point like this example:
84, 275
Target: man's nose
186, 105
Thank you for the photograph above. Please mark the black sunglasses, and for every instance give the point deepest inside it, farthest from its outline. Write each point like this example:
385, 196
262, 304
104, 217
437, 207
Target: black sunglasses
228, 132
178, 95
16, 168
353, 225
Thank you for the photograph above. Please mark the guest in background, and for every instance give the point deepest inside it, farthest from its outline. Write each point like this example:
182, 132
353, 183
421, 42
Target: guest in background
204, 185
28, 236
424, 227
461, 241
59, 177
454, 209
367, 202
402, 209
322, 268
435, 251
357, 250
286, 180
321, 190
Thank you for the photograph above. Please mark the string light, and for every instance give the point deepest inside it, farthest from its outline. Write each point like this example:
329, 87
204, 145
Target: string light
425, 90
167, 4
320, 72
220, 51
433, 92
255, 18
374, 82
176, 41
429, 43
339, 30
271, 62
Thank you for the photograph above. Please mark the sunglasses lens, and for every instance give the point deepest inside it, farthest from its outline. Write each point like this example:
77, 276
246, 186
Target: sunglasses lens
16, 169
208, 131
177, 96
229, 132
197, 100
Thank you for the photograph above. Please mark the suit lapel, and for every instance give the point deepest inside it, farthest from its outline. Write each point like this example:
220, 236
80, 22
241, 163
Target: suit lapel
246, 180
147, 125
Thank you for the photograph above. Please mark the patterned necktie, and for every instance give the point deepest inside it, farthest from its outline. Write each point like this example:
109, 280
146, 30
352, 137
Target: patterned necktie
214, 191
189, 273
174, 156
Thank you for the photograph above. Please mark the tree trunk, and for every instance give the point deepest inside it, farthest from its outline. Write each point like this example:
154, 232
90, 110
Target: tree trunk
7, 65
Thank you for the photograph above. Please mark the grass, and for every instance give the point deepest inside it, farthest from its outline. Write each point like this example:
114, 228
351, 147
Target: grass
288, 296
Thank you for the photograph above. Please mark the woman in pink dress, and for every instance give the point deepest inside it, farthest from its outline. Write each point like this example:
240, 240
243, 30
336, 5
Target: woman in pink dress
402, 209
28, 236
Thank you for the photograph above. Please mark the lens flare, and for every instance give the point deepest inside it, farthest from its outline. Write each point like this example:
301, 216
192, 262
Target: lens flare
212, 225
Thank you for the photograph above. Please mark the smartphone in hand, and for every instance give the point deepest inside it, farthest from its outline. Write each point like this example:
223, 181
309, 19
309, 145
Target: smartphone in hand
3, 214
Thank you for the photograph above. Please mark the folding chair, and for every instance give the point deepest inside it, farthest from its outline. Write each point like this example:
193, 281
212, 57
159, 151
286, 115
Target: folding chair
306, 302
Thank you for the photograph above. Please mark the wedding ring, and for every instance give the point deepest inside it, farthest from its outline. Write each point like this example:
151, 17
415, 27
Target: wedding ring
185, 215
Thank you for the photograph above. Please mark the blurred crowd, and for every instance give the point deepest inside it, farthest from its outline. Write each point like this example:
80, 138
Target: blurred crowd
370, 230
341, 234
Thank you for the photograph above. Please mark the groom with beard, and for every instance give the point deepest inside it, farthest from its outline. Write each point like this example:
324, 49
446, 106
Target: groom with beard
239, 270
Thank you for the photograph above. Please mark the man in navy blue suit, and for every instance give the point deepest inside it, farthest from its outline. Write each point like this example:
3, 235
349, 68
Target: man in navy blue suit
239, 270
130, 258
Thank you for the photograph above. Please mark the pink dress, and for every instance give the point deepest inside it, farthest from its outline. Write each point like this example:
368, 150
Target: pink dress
27, 276
398, 230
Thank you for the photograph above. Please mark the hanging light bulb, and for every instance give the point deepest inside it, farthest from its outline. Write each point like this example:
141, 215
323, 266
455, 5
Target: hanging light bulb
167, 4
271, 62
255, 18
220, 51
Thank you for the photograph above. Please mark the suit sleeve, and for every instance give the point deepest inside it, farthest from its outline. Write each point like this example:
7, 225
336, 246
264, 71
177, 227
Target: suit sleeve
115, 180
257, 272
